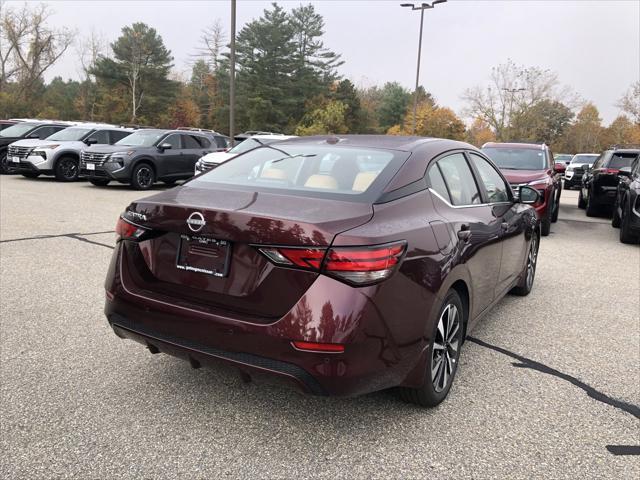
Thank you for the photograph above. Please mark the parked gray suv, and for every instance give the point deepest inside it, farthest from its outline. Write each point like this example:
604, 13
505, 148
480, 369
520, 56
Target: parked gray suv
59, 154
147, 156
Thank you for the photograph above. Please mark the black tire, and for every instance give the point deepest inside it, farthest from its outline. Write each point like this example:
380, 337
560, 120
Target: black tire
30, 175
528, 275
98, 182
143, 177
4, 165
625, 229
435, 390
67, 169
615, 219
555, 210
545, 227
590, 208
581, 202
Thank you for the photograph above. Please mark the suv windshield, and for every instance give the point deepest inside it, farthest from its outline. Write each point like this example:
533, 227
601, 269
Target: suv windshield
517, 158
584, 159
70, 134
17, 130
309, 170
142, 138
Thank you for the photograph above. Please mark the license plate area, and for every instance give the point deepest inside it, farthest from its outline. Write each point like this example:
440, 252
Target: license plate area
203, 255
15, 159
91, 166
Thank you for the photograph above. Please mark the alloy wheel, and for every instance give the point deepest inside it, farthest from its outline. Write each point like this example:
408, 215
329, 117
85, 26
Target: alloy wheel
69, 169
144, 176
445, 348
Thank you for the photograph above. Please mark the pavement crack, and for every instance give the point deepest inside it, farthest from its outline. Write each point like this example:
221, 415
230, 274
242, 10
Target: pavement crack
76, 237
540, 367
45, 237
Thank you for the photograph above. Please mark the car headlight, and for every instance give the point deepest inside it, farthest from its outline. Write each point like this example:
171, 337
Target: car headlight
117, 156
39, 153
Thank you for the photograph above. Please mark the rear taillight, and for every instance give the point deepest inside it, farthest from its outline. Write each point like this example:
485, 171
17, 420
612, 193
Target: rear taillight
128, 231
354, 265
609, 171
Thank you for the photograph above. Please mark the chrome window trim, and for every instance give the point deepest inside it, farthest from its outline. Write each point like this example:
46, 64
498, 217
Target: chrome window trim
467, 206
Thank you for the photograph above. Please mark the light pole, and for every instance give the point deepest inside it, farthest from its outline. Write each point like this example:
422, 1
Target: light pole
422, 7
232, 73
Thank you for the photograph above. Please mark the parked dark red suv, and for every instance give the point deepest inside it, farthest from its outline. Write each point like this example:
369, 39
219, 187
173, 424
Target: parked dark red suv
341, 265
531, 164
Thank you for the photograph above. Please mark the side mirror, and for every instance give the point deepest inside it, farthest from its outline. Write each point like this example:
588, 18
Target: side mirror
164, 146
625, 172
528, 195
91, 141
586, 167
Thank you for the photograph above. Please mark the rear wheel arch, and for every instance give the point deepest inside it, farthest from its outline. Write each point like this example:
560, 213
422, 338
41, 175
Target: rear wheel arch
462, 290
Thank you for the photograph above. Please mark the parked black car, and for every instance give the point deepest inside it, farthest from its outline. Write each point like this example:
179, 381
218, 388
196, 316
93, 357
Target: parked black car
147, 156
626, 210
27, 129
600, 182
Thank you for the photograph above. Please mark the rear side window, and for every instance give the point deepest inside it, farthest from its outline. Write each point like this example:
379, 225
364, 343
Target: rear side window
117, 135
459, 179
44, 132
621, 160
437, 182
190, 141
497, 189
325, 171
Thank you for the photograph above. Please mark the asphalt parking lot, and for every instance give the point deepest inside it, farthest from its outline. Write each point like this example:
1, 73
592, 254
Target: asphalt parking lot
548, 386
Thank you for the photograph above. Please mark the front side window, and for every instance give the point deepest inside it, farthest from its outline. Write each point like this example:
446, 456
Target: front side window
459, 179
117, 135
497, 189
173, 140
508, 158
101, 137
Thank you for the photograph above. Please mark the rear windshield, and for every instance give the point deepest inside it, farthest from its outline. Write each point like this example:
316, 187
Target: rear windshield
584, 159
347, 173
17, 130
517, 158
621, 160
70, 134
142, 138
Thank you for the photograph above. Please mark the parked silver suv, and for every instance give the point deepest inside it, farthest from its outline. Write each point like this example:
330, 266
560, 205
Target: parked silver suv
59, 154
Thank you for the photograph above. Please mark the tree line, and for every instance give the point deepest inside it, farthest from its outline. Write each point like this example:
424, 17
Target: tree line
287, 81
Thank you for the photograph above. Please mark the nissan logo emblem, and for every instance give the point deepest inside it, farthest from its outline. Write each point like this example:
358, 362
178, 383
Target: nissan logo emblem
195, 222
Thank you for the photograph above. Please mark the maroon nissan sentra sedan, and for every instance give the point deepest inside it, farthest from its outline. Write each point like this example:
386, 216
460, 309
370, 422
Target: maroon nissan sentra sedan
341, 265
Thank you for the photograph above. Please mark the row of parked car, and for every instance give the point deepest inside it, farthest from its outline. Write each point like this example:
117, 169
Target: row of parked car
610, 185
103, 153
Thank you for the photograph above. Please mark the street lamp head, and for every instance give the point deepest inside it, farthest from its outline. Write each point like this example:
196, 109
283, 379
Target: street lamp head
407, 5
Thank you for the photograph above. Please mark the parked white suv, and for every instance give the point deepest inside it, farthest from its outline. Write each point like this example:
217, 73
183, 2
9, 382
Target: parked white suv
59, 154
212, 160
575, 169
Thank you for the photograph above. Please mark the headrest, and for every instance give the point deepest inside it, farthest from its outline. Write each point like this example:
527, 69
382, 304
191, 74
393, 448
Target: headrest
363, 180
322, 181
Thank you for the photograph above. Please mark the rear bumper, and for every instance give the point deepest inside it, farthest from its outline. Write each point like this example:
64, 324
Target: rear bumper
329, 312
199, 354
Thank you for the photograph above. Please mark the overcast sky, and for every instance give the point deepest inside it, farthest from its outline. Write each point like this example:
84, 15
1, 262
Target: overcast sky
593, 46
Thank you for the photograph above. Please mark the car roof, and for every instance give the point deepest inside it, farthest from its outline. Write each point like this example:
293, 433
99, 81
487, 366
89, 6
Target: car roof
585, 154
530, 146
389, 142
272, 137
